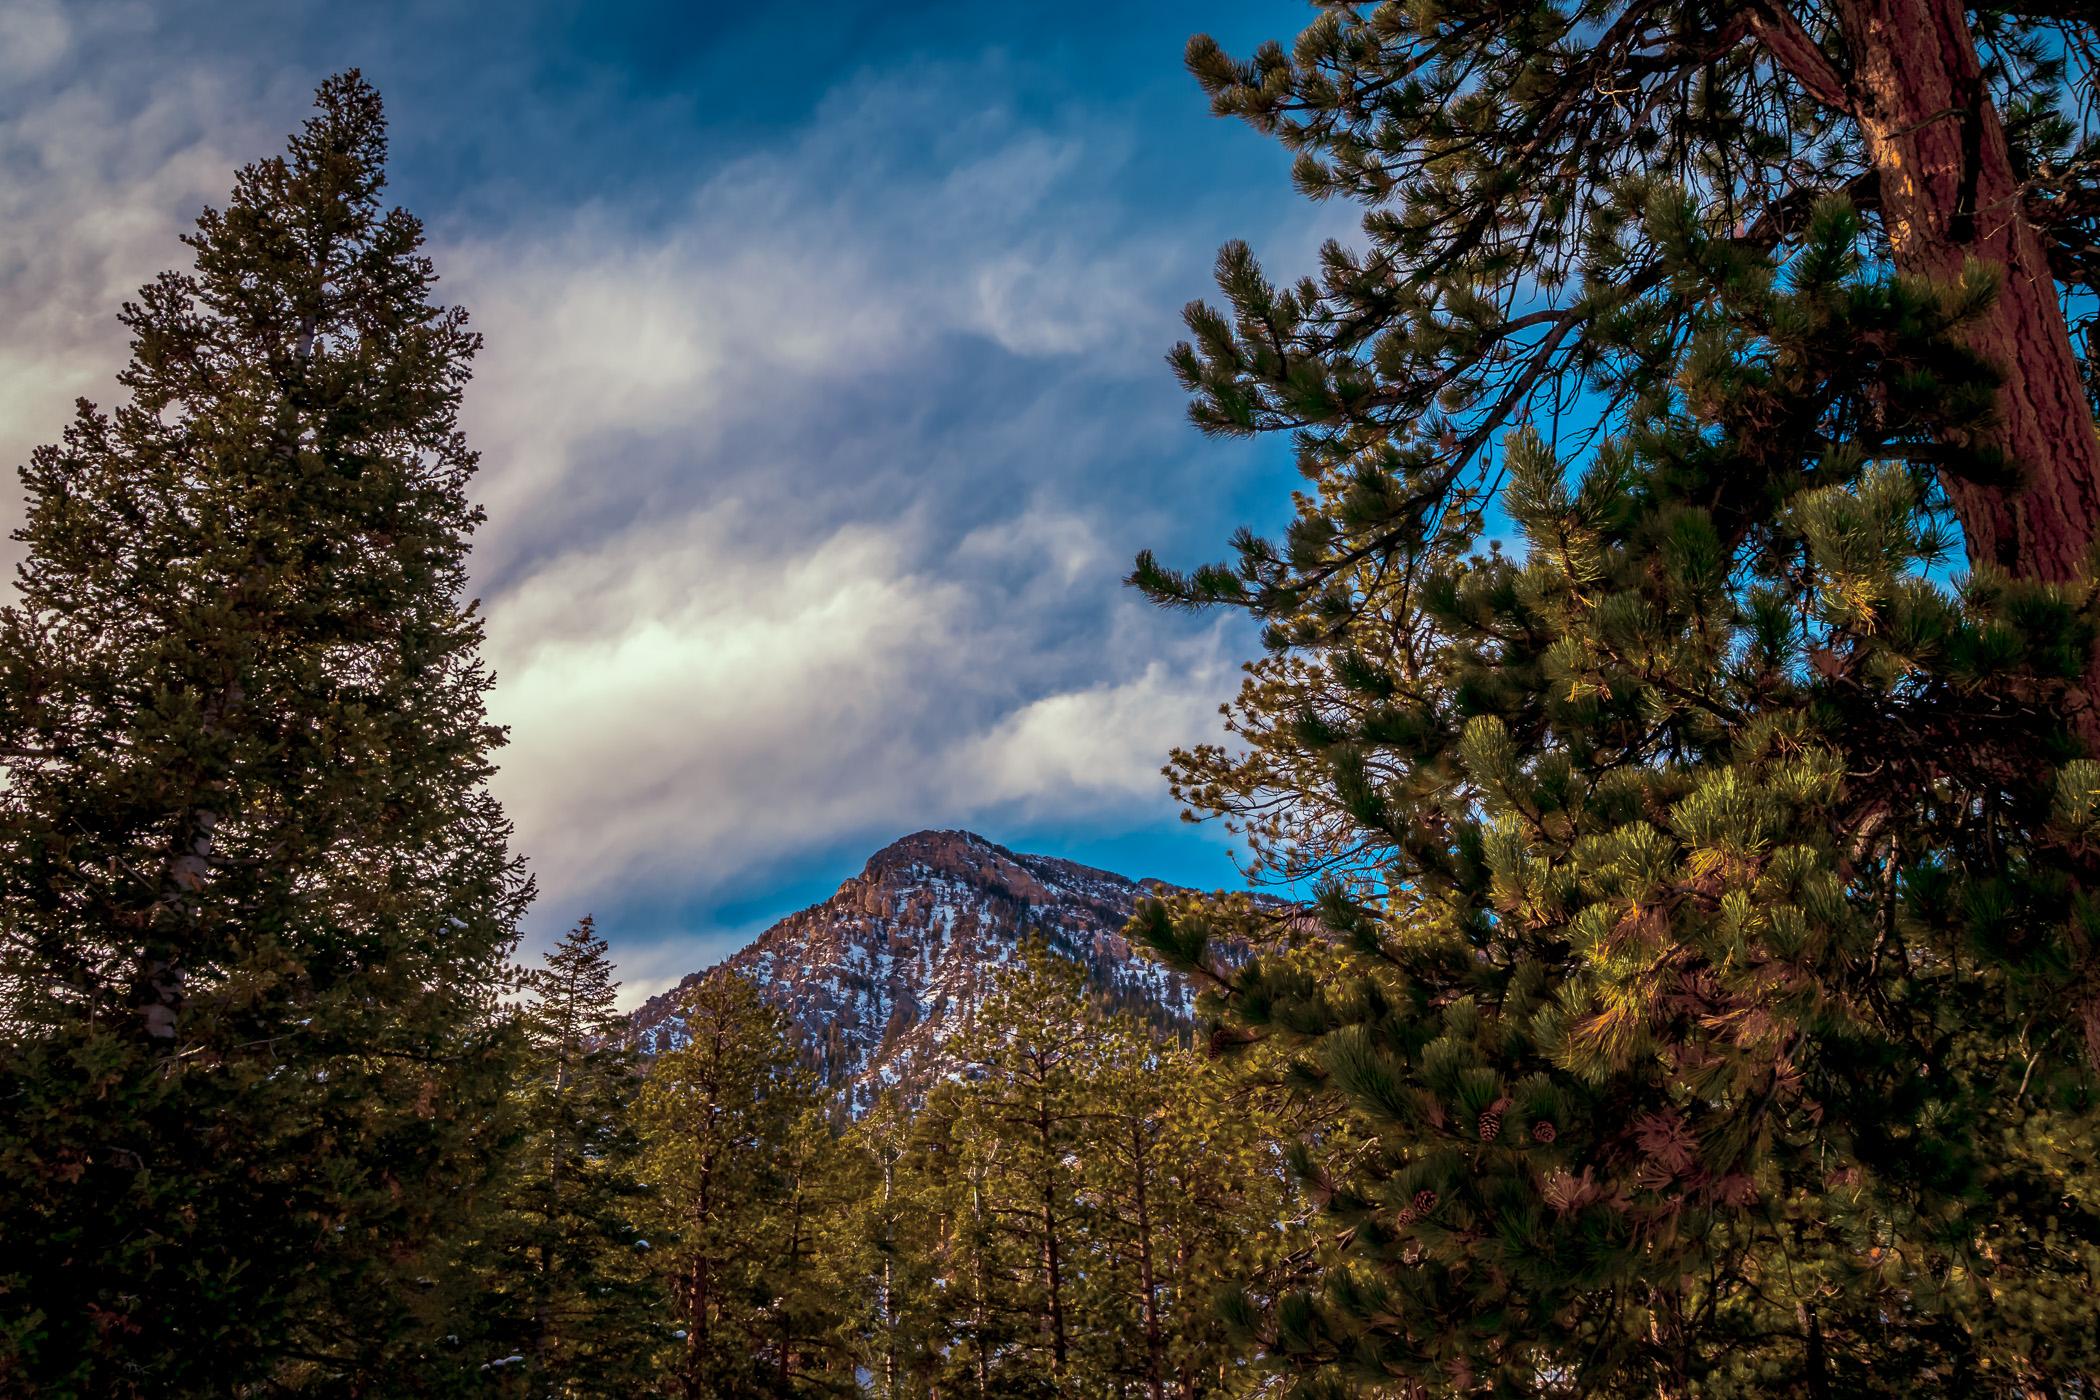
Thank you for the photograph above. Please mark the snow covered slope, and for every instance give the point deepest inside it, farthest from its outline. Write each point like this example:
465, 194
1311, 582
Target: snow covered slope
879, 973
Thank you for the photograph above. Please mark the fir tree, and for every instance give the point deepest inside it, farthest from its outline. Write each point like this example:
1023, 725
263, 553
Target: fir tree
256, 901
562, 1285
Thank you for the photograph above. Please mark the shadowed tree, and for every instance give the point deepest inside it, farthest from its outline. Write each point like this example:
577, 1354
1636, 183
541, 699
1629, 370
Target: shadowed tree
732, 1155
561, 1284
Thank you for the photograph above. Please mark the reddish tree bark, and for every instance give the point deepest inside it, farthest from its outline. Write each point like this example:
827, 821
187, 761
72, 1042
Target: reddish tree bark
1948, 195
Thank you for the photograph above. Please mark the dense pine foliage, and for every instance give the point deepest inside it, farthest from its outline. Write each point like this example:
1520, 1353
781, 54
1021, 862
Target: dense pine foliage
1052, 1223
256, 906
1702, 988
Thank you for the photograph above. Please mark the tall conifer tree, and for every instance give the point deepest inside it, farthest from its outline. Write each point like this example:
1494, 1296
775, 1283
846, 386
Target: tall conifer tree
560, 1282
1025, 1052
725, 1121
255, 898
1704, 1000
900, 1247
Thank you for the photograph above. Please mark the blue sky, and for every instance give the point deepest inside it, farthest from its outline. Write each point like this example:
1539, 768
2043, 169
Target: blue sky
822, 408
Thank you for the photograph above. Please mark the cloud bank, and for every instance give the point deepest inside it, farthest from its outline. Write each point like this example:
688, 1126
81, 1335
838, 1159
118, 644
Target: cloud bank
809, 508
811, 469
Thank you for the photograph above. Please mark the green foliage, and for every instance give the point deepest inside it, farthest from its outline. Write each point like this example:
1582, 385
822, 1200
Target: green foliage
564, 1303
1505, 156
1704, 935
1077, 1195
256, 903
1697, 886
742, 1164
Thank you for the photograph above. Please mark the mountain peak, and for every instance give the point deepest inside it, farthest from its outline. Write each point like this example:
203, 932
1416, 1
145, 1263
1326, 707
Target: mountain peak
966, 857
877, 976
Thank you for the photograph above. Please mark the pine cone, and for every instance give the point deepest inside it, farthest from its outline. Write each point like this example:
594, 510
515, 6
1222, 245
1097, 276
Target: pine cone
1425, 1202
1543, 1131
1406, 1215
1490, 1125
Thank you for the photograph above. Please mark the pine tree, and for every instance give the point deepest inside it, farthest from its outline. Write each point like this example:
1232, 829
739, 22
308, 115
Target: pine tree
256, 902
724, 1118
1024, 1052
813, 1331
1499, 152
977, 1318
1710, 837
899, 1247
1705, 920
1186, 1189
560, 1282
1706, 887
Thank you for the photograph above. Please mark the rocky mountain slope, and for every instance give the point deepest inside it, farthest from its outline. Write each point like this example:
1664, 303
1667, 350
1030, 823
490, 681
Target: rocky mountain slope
877, 975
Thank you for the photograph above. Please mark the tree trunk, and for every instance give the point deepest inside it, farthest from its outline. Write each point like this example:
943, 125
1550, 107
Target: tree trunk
554, 1164
889, 1246
1053, 1268
983, 1282
696, 1326
702, 1285
1948, 194
1817, 1362
1184, 1256
1155, 1346
1053, 1265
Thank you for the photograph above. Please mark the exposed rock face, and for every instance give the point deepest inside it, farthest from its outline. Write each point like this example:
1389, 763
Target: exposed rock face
877, 975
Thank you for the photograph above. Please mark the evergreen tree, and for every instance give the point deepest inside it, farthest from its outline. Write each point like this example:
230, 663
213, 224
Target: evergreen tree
1705, 944
562, 1284
1499, 152
1075, 1196
724, 1118
255, 901
1024, 1054
899, 1248
814, 1320
977, 1314
1186, 1189
1704, 886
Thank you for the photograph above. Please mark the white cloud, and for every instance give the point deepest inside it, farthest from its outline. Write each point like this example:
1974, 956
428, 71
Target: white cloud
679, 705
34, 35
1101, 746
740, 605
676, 704
99, 182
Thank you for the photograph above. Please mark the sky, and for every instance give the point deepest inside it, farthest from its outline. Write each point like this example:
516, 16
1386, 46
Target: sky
822, 409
